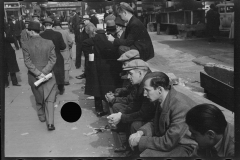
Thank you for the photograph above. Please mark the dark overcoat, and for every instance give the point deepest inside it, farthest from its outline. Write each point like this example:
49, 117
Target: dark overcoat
213, 22
102, 74
16, 28
58, 41
9, 56
39, 57
136, 36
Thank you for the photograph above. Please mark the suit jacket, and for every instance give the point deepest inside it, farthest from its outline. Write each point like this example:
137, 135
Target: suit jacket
168, 130
102, 74
16, 28
66, 52
59, 44
136, 36
24, 36
39, 57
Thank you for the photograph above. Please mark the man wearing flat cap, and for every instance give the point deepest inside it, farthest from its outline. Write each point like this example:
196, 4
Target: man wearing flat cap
58, 41
141, 110
168, 134
136, 35
103, 72
39, 58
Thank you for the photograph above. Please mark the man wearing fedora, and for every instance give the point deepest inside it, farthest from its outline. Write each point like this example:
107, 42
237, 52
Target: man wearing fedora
110, 16
93, 18
58, 41
16, 29
39, 58
136, 35
103, 71
25, 36
66, 52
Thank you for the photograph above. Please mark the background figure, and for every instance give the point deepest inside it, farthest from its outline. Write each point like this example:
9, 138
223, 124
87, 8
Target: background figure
231, 33
10, 61
110, 16
66, 52
16, 29
24, 34
213, 23
94, 19
59, 44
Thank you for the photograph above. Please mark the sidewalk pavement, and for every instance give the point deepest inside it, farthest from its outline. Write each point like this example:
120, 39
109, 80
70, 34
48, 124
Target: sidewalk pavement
26, 136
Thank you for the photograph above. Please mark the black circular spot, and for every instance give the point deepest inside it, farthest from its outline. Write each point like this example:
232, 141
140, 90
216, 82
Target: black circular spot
71, 112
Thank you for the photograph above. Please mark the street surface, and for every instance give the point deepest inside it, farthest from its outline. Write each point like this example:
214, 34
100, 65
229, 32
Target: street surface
26, 136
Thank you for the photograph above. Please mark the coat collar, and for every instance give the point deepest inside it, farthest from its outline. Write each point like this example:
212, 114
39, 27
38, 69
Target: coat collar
171, 94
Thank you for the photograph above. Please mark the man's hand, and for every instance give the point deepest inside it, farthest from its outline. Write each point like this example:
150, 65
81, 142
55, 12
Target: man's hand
114, 118
110, 38
135, 138
109, 97
41, 76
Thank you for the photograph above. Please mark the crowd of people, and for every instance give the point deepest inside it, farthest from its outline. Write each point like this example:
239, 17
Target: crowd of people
158, 120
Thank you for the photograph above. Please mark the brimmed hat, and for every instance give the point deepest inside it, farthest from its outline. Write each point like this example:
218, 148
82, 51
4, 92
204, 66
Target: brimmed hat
129, 55
81, 21
35, 15
135, 64
33, 25
120, 22
86, 17
127, 7
57, 23
47, 20
111, 26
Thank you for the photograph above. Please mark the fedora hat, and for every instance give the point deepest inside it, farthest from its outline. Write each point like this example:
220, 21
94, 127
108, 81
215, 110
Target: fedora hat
47, 20
86, 17
120, 22
33, 25
57, 23
35, 15
111, 26
135, 64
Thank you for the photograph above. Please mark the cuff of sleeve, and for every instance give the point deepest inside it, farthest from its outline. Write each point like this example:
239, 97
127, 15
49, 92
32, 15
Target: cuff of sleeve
142, 143
123, 117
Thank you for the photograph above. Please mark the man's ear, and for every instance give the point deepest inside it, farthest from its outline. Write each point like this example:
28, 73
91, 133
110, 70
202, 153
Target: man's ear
211, 134
159, 88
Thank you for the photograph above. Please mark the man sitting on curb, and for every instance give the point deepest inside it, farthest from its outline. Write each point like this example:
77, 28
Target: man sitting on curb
142, 110
209, 128
168, 134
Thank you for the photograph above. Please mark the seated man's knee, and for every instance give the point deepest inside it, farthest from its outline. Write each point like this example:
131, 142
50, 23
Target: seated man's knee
135, 126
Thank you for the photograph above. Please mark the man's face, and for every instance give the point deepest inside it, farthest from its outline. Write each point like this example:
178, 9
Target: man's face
204, 141
134, 76
151, 93
123, 16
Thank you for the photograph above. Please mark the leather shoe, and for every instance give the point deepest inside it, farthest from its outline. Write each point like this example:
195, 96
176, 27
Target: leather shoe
100, 114
51, 127
66, 83
17, 84
42, 118
120, 149
61, 92
81, 76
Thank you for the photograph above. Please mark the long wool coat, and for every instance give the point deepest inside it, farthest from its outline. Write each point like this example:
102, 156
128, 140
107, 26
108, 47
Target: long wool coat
59, 44
137, 37
66, 52
39, 57
103, 73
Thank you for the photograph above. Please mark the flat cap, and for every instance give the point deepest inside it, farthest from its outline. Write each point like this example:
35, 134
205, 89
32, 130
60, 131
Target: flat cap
127, 7
129, 55
86, 17
135, 64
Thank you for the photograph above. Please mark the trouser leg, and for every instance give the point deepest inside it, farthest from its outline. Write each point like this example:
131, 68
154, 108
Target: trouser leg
40, 109
16, 43
60, 87
19, 40
49, 112
78, 56
14, 78
66, 76
6, 78
98, 104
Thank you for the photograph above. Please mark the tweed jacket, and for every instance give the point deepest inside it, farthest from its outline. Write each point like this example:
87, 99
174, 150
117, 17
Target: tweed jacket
24, 36
90, 29
168, 130
137, 37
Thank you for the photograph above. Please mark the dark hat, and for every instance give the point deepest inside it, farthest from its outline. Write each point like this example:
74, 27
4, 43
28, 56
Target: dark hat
111, 26
33, 25
86, 17
107, 7
81, 22
47, 20
135, 64
127, 7
57, 23
119, 22
35, 15
110, 11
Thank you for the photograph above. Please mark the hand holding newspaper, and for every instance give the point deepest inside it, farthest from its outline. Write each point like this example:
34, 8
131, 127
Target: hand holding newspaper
47, 77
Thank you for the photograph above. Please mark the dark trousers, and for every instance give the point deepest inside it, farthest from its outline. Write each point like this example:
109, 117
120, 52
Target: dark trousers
98, 104
13, 78
78, 55
60, 87
17, 39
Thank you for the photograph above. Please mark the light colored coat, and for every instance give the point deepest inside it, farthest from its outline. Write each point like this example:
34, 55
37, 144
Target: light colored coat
66, 53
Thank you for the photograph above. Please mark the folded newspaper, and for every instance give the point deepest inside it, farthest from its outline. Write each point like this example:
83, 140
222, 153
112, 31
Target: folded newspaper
47, 77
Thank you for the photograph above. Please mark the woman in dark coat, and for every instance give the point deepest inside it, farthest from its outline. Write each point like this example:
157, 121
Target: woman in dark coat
10, 61
102, 74
58, 41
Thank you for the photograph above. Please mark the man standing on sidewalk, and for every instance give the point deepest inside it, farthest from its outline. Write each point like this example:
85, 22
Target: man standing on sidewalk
16, 29
136, 35
39, 57
58, 41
